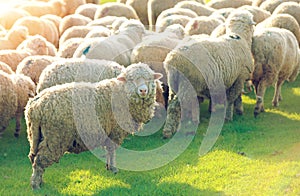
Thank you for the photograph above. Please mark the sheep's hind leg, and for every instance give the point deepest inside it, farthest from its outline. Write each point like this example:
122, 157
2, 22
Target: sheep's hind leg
277, 94
260, 92
173, 118
18, 124
238, 105
111, 158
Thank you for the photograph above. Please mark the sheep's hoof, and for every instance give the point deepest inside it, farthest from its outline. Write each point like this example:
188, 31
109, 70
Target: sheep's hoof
113, 169
256, 113
275, 104
35, 184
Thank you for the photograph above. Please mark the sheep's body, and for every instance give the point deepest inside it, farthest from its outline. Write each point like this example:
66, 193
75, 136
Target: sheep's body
9, 16
271, 5
5, 68
209, 63
53, 18
32, 66
106, 21
276, 59
75, 125
291, 8
259, 14
15, 92
13, 38
219, 4
73, 32
73, 20
162, 24
199, 8
87, 10
257, 3
284, 21
202, 25
69, 47
78, 70
116, 9
175, 11
140, 6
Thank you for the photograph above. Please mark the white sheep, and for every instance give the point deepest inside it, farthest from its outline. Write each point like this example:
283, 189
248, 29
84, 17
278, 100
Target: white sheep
67, 49
77, 70
5, 68
72, 20
13, 38
64, 117
276, 59
140, 7
15, 92
292, 8
211, 64
199, 8
116, 9
162, 24
219, 4
271, 5
87, 10
202, 25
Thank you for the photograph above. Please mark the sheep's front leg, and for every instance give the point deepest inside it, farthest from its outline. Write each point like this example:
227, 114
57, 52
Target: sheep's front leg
260, 92
234, 98
111, 158
173, 118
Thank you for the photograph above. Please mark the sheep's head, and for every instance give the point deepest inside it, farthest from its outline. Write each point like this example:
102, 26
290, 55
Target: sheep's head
140, 80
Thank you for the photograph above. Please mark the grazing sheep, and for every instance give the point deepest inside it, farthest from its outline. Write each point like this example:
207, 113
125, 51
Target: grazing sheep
162, 24
219, 4
116, 47
124, 104
5, 68
13, 38
291, 8
284, 21
116, 9
199, 8
87, 10
78, 70
225, 61
73, 20
15, 92
271, 5
259, 14
32, 66
33, 45
140, 7
10, 15
276, 59
202, 25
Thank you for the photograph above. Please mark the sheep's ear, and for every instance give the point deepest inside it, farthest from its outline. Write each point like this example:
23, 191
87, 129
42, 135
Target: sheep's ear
157, 76
121, 77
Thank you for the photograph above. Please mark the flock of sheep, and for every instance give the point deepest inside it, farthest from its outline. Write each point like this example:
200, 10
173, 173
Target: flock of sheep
86, 75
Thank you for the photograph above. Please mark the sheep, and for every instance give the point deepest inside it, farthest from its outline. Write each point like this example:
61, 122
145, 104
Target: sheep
223, 12
77, 70
93, 1
199, 8
271, 5
224, 62
276, 58
285, 21
69, 107
67, 49
53, 18
116, 47
71, 6
121, 1
73, 32
140, 6
99, 31
219, 4
116, 9
73, 20
13, 38
32, 66
33, 45
259, 14
161, 25
6, 68
87, 10
16, 89
257, 3
175, 11
10, 15
291, 8
202, 25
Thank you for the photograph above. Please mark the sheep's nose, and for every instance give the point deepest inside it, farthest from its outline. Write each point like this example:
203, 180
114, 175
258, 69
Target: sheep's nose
143, 90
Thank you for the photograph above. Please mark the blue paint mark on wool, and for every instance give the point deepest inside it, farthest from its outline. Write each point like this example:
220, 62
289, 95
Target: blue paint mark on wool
86, 50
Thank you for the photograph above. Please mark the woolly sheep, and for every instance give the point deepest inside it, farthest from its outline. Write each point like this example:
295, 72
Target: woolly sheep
40, 26
15, 92
257, 3
271, 5
175, 11
223, 12
161, 25
5, 68
87, 10
202, 25
285, 21
92, 1
53, 18
199, 8
10, 15
228, 57
73, 32
116, 9
219, 4
116, 47
73, 20
291, 8
140, 6
69, 47
106, 21
33, 45
32, 66
71, 6
259, 14
132, 92
99, 31
121, 1
40, 8
78, 70
276, 59
13, 38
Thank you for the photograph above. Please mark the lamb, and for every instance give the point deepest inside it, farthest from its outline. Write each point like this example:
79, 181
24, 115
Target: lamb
78, 70
276, 59
33, 45
73, 20
56, 109
291, 8
219, 4
116, 47
199, 8
285, 21
225, 64
271, 5
87, 10
116, 9
13, 38
16, 89
140, 6
202, 25
32, 66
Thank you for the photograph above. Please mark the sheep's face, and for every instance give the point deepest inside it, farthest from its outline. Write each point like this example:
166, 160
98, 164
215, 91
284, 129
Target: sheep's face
140, 80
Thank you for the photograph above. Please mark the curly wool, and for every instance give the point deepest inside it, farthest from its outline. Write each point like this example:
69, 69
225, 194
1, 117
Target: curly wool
78, 70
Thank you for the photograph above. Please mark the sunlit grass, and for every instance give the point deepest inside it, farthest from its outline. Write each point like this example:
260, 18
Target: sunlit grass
296, 91
292, 116
248, 100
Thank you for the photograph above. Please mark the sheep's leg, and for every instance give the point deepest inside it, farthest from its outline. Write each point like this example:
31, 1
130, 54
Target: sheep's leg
233, 94
260, 92
238, 105
111, 158
173, 118
37, 176
18, 124
277, 94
